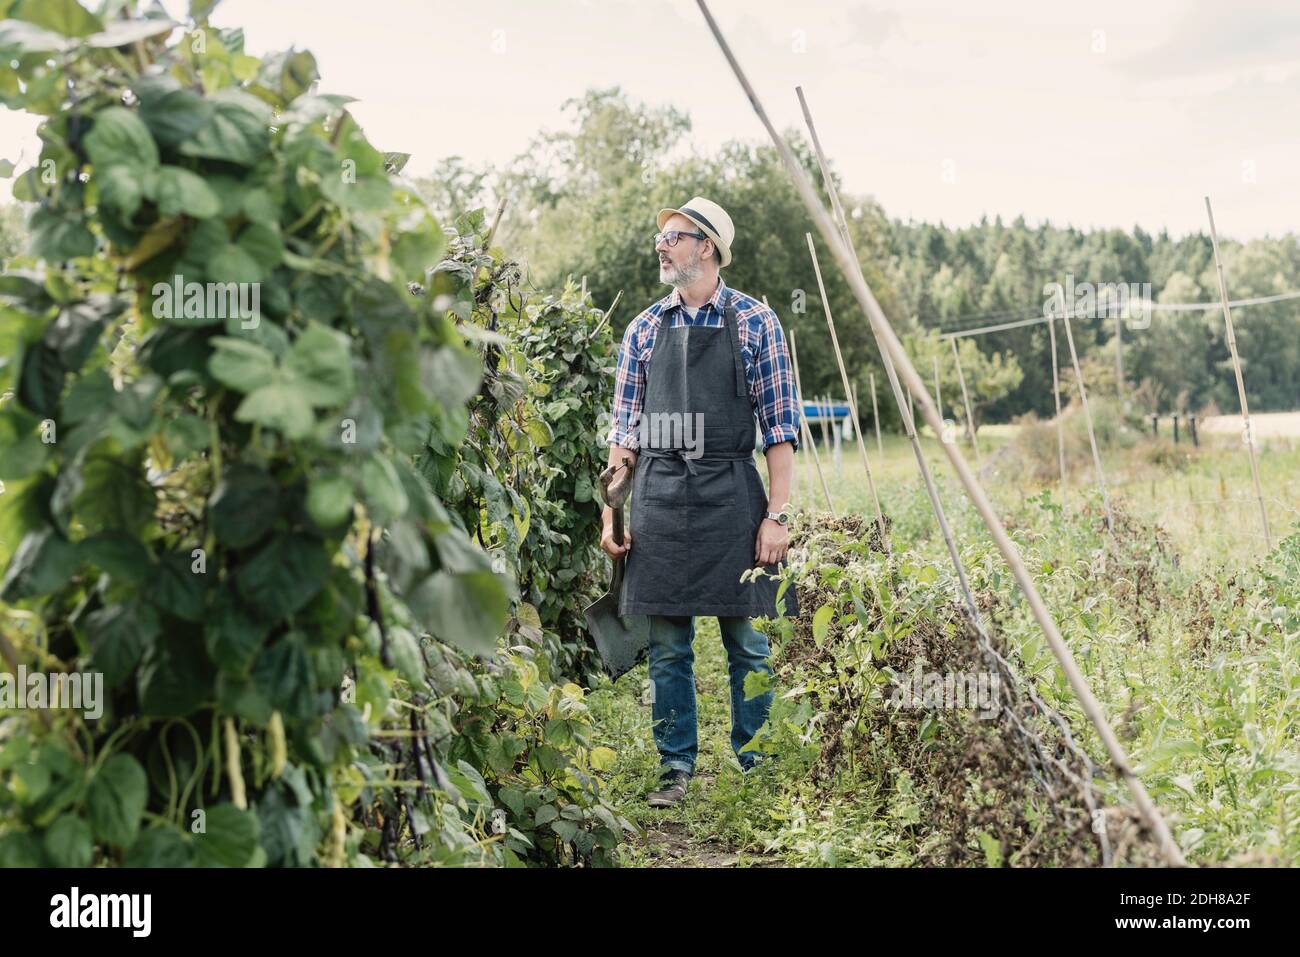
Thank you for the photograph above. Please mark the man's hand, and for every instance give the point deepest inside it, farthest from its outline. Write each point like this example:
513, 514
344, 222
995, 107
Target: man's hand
607, 540
773, 542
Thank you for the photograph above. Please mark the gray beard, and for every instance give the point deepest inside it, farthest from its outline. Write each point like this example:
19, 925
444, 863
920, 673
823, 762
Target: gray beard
683, 276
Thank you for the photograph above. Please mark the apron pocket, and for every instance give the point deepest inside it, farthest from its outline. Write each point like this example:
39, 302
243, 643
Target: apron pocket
714, 486
660, 481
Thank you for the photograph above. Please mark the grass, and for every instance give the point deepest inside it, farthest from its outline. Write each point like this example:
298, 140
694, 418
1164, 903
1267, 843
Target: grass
1188, 636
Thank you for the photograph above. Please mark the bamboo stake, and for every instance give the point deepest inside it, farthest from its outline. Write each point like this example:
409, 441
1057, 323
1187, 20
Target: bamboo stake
1248, 433
844, 380
965, 398
938, 396
905, 409
1060, 425
875, 415
879, 322
496, 221
1087, 415
803, 423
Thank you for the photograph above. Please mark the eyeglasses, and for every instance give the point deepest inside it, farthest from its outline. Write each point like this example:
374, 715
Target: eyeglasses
671, 236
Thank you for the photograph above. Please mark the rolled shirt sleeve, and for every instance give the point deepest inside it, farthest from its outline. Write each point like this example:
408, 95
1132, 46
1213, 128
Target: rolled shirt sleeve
629, 388
777, 403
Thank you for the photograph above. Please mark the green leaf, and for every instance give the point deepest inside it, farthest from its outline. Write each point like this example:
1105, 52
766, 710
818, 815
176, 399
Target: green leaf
229, 837
19, 39
119, 635
172, 114
233, 636
467, 610
122, 33
116, 800
283, 576
453, 375
66, 17
263, 244
822, 623
57, 236
321, 363
240, 365
120, 138
121, 556
330, 500
283, 674
238, 131
22, 848
244, 506
43, 562
385, 496
177, 588
186, 435
179, 191
68, 842
114, 495
232, 263
281, 406
122, 189
161, 846
175, 677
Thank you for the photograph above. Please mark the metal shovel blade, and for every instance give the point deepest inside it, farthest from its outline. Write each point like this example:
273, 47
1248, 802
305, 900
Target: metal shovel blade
621, 642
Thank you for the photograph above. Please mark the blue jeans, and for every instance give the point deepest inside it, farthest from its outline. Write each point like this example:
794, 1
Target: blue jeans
673, 686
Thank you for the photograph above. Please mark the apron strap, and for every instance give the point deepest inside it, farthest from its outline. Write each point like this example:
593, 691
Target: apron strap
729, 318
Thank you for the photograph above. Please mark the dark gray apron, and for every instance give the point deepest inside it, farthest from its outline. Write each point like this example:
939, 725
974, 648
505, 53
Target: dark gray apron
694, 521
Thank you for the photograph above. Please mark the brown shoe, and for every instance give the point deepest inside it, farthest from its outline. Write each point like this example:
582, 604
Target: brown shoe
672, 788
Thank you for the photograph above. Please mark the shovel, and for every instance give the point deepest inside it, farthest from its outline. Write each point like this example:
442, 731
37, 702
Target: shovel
621, 642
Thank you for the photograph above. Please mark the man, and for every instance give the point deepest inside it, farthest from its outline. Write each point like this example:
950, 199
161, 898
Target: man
699, 515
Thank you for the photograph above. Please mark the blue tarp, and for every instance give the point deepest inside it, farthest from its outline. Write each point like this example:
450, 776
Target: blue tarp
815, 411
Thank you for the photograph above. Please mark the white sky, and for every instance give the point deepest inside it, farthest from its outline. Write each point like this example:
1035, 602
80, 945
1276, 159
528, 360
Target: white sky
1178, 99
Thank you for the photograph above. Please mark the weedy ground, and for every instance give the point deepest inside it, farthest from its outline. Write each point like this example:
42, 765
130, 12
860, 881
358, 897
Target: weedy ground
1186, 627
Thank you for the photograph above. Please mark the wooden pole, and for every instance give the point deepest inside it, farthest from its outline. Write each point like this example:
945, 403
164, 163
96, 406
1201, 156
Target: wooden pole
803, 423
875, 415
1248, 430
905, 409
885, 332
1119, 359
965, 398
848, 392
938, 396
1060, 425
1087, 415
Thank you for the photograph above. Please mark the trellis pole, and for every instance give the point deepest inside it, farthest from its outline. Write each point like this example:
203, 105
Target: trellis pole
1060, 425
965, 398
803, 423
1248, 431
875, 415
905, 409
848, 392
885, 333
1087, 416
938, 396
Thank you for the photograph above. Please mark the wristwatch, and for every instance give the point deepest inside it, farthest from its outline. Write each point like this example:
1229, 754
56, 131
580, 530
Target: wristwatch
782, 518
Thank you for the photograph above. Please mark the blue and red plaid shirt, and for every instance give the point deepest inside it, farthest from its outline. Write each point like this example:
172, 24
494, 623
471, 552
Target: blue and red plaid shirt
762, 345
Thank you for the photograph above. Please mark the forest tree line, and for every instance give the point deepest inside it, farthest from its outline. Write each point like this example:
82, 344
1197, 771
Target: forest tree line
581, 202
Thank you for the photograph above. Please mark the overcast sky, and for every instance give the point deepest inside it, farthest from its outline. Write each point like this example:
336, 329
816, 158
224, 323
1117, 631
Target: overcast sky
1095, 114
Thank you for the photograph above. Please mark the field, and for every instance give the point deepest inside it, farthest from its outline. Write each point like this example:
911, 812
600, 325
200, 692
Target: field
1183, 633
299, 506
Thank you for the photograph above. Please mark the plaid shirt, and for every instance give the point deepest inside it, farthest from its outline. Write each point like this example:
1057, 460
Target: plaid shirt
762, 346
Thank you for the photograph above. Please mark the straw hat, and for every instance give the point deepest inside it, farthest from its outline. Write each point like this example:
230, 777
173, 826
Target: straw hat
711, 218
